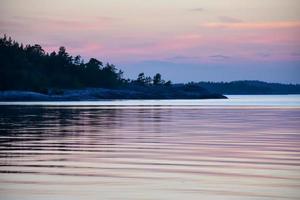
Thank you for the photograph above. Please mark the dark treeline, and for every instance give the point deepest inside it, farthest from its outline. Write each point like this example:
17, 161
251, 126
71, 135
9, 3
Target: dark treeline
31, 68
250, 87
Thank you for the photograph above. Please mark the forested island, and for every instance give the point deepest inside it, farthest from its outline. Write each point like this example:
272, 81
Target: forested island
248, 87
30, 73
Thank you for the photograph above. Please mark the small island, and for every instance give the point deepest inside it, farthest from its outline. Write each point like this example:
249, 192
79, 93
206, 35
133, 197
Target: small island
28, 73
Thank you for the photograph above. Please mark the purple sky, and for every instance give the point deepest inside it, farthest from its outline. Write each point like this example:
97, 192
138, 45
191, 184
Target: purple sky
190, 40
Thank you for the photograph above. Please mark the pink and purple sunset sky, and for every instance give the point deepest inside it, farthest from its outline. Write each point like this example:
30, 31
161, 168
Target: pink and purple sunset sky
184, 40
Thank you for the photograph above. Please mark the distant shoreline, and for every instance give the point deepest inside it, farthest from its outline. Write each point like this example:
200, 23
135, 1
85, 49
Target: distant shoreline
95, 94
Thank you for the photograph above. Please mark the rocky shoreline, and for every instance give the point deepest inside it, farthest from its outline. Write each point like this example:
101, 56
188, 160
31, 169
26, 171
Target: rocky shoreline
106, 94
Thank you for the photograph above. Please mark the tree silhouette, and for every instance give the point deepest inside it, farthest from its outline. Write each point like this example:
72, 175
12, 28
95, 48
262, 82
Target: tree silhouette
31, 68
157, 79
141, 79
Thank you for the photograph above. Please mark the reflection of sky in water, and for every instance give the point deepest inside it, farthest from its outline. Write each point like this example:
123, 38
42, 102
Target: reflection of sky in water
170, 153
234, 100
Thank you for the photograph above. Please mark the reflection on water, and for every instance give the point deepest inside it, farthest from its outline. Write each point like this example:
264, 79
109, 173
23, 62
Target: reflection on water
82, 152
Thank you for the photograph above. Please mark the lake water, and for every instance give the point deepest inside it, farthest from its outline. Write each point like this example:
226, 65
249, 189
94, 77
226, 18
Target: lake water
246, 147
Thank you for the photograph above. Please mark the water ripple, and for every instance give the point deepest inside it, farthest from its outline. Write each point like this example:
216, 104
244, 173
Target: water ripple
70, 152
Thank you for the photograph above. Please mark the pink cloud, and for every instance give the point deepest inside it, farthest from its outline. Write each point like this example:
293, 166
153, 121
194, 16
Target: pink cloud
181, 42
253, 41
200, 47
159, 49
250, 25
195, 47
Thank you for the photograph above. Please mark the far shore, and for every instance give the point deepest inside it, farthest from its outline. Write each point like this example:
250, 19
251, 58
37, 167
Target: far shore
95, 94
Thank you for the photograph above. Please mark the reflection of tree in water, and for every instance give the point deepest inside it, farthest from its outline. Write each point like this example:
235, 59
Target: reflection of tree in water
36, 123
75, 126
150, 123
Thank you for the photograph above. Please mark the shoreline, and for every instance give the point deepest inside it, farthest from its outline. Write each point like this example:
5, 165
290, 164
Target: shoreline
98, 94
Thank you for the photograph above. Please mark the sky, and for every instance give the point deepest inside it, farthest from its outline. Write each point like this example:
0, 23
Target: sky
184, 40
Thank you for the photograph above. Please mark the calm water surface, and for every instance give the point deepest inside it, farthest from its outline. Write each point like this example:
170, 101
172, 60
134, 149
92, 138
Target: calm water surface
247, 147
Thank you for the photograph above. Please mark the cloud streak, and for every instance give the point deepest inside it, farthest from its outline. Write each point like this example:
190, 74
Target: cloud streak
196, 10
219, 57
226, 19
255, 25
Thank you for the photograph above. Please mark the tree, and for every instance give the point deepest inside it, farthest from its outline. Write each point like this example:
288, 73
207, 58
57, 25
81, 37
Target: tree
120, 76
35, 50
157, 79
62, 52
141, 79
110, 68
64, 57
77, 60
148, 80
168, 83
94, 64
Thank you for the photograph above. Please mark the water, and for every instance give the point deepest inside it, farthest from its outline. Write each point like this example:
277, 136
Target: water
247, 147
